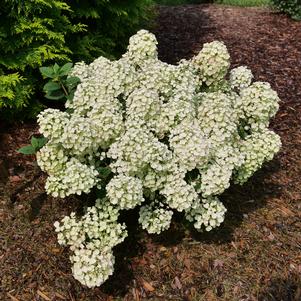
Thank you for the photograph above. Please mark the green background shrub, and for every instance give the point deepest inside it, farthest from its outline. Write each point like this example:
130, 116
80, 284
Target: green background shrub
245, 3
290, 7
40, 32
180, 2
32, 33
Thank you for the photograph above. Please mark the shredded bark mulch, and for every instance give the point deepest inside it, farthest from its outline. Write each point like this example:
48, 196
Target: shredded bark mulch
254, 255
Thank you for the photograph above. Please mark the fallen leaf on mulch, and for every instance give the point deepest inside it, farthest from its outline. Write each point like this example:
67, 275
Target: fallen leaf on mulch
217, 263
44, 296
147, 286
271, 236
14, 179
176, 284
12, 297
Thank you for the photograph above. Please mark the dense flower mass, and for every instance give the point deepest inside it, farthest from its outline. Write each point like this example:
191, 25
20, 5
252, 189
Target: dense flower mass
154, 218
163, 138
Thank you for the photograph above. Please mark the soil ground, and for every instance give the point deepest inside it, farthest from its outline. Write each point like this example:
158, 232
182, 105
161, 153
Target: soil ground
254, 255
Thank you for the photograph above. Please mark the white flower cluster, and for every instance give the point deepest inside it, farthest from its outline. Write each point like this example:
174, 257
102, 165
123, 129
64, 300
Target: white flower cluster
161, 137
209, 213
74, 178
258, 148
178, 193
259, 103
189, 146
212, 62
124, 191
52, 123
91, 266
217, 117
91, 239
240, 78
215, 178
154, 218
142, 47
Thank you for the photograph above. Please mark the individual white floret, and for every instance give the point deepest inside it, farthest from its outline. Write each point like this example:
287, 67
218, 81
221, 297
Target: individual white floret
154, 218
240, 78
208, 213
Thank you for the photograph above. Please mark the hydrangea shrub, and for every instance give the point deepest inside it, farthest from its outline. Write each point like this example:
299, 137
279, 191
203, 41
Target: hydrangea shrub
164, 138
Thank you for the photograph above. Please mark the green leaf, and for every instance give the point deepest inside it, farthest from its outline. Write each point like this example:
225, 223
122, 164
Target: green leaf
70, 96
51, 86
34, 142
70, 111
47, 72
26, 150
104, 172
65, 69
42, 141
101, 193
38, 143
55, 95
72, 81
56, 69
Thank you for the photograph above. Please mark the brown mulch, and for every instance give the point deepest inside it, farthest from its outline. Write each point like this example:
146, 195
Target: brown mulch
254, 255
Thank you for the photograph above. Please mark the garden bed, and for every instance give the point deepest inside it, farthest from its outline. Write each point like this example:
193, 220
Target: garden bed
254, 255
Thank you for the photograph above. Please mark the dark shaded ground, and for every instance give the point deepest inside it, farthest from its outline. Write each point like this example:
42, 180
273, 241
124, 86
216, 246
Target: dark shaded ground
255, 255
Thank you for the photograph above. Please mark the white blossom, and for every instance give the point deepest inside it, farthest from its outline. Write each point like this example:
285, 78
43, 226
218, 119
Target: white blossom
91, 266
240, 78
189, 146
91, 239
52, 123
208, 213
257, 148
178, 193
75, 178
259, 103
212, 62
154, 218
125, 191
52, 158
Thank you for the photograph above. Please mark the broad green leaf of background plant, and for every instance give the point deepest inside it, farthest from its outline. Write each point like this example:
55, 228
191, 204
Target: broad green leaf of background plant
64, 70
26, 150
36, 144
47, 72
51, 86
